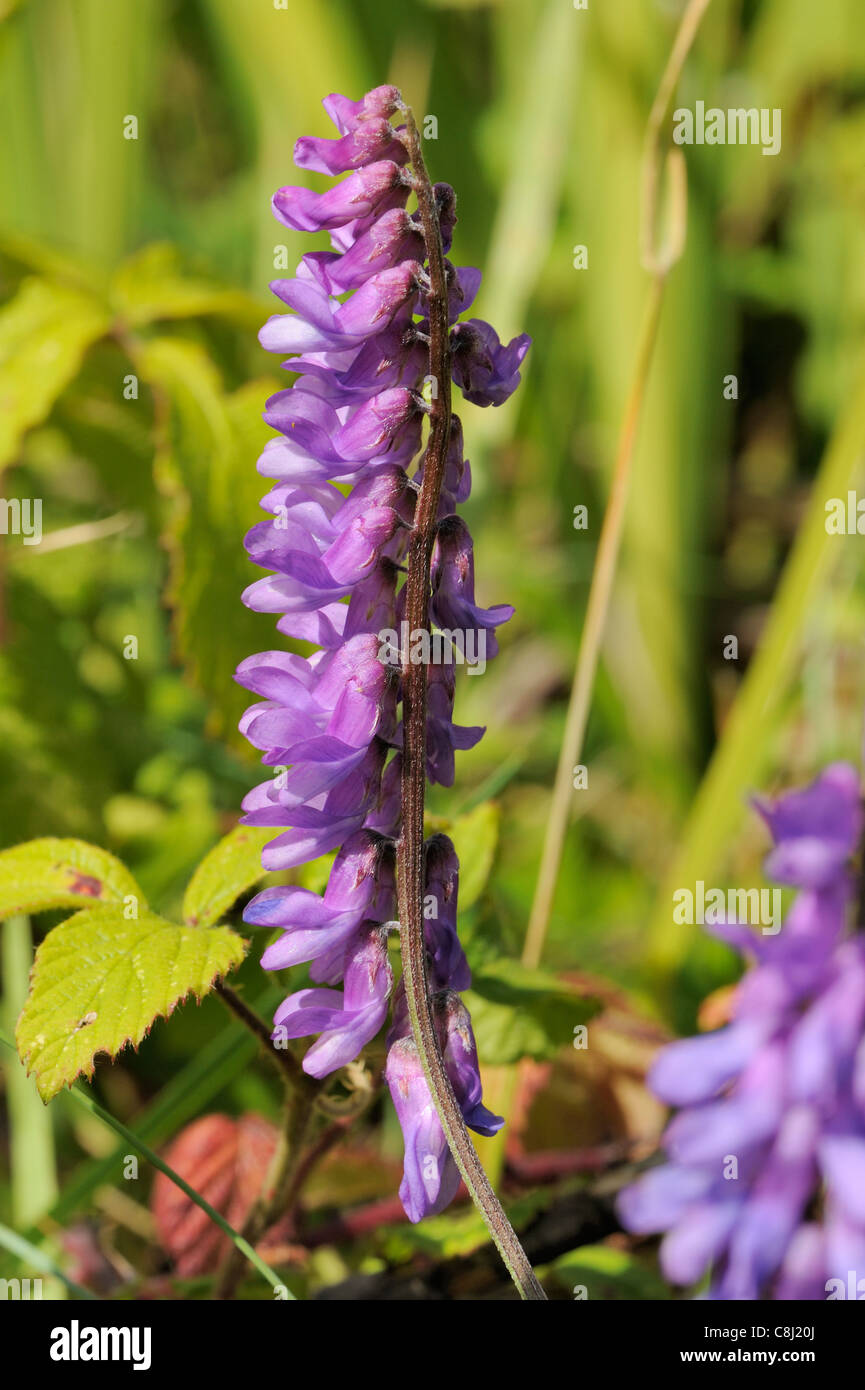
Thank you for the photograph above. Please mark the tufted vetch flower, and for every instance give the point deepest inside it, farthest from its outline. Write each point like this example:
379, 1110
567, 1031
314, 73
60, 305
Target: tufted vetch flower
346, 466
763, 1187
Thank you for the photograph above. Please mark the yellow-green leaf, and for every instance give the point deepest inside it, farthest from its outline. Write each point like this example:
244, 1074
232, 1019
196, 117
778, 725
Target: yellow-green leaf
151, 285
62, 873
44, 333
228, 870
599, 1272
518, 1012
100, 981
475, 836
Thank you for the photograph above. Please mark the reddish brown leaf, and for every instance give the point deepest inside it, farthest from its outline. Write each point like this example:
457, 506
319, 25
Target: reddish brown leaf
227, 1161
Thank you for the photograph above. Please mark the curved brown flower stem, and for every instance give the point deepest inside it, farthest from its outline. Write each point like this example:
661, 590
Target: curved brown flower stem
410, 850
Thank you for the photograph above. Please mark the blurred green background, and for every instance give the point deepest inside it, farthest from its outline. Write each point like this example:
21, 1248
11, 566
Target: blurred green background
146, 261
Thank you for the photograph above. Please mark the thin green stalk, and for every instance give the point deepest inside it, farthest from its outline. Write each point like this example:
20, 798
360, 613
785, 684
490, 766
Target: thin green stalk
590, 643
184, 1096
31, 1142
742, 751
660, 251
287, 1161
32, 1257
94, 1108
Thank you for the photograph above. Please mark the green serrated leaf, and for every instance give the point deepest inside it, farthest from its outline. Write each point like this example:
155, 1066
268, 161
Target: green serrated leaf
151, 286
228, 870
44, 333
100, 981
62, 873
517, 1012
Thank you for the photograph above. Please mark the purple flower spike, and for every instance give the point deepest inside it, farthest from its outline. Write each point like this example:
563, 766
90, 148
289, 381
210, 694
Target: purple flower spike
772, 1124
341, 504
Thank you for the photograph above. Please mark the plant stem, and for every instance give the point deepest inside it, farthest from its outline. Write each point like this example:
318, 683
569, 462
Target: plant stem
87, 1102
32, 1160
282, 1058
32, 1257
282, 1184
278, 1186
314, 1154
590, 642
746, 740
658, 257
414, 695
290, 1168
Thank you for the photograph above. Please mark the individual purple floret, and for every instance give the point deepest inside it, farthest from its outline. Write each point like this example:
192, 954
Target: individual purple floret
341, 510
448, 967
346, 1020
765, 1180
431, 1178
486, 370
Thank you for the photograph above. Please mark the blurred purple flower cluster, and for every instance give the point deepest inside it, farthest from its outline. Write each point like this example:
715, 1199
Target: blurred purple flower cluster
764, 1189
342, 508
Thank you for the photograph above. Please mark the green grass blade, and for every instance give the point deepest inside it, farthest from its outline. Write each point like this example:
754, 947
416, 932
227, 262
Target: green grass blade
742, 752
32, 1257
537, 147
32, 1159
180, 1099
94, 1108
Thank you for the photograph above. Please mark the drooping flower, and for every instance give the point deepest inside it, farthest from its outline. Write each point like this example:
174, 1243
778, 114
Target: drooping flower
430, 1178
766, 1156
341, 510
